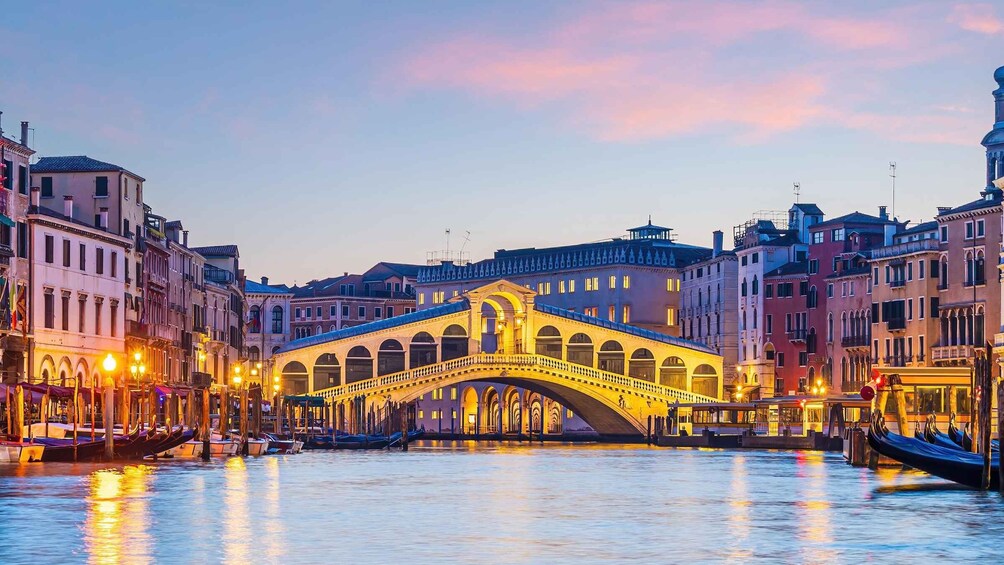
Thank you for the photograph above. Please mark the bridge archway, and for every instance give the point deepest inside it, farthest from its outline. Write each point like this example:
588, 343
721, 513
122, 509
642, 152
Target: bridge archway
390, 357
512, 417
294, 378
491, 410
642, 365
358, 365
327, 371
455, 342
580, 350
705, 380
469, 410
673, 373
612, 357
423, 350
549, 342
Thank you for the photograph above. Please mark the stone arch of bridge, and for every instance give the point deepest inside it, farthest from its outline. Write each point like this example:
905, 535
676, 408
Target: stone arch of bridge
610, 412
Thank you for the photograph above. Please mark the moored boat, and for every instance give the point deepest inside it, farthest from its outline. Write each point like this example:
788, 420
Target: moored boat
20, 452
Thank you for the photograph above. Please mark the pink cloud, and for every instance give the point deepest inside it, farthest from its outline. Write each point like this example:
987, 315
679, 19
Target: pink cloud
648, 70
979, 18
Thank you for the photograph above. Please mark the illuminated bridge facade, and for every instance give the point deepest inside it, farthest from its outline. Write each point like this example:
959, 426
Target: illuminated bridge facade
540, 359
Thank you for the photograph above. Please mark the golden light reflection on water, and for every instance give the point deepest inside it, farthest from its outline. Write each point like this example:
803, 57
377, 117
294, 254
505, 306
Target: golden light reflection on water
739, 510
273, 512
116, 526
237, 535
813, 507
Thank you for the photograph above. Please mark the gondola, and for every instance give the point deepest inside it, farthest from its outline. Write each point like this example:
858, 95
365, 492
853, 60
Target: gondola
958, 437
951, 464
933, 435
319, 442
62, 450
360, 441
177, 438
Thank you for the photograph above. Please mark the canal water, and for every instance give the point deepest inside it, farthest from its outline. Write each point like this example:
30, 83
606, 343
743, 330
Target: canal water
492, 503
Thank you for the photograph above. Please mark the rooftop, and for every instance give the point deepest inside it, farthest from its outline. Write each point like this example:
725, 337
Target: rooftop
251, 287
216, 250
77, 164
853, 218
789, 269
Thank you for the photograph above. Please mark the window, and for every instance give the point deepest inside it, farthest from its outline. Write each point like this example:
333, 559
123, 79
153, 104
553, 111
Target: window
377, 312
980, 228
768, 291
48, 250
755, 258
745, 259
626, 314
571, 286
66, 253
65, 311
101, 186
909, 271
670, 317
817, 237
277, 321
113, 316
82, 311
46, 187
626, 281
362, 312
421, 298
317, 312
8, 180
920, 269
803, 358
612, 314
779, 356
561, 287
22, 179
921, 309
99, 261
115, 261
769, 324
969, 230
297, 314
837, 234
390, 311
613, 281
944, 234
331, 311
345, 310
909, 309
50, 306
22, 240
829, 289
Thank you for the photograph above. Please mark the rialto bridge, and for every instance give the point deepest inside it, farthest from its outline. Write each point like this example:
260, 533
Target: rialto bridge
614, 376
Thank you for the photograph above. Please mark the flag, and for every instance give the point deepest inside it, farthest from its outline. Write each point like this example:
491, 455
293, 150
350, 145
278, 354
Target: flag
22, 307
12, 301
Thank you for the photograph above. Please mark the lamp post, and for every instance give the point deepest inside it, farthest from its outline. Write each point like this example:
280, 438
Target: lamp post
109, 365
243, 406
137, 369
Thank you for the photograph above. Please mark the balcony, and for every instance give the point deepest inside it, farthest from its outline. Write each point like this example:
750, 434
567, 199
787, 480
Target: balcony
796, 335
899, 283
849, 342
905, 248
952, 353
200, 329
136, 329
201, 380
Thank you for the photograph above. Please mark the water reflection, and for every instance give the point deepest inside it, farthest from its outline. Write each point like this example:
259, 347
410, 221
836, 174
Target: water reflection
115, 529
739, 510
813, 506
237, 538
273, 528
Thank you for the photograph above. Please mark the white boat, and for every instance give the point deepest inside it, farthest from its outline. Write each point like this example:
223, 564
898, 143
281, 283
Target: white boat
18, 452
220, 447
257, 447
188, 450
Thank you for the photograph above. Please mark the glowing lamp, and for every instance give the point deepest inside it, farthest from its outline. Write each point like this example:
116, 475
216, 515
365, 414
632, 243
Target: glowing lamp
237, 380
109, 363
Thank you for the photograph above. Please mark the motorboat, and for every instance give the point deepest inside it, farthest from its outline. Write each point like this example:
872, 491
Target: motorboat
257, 447
20, 452
277, 444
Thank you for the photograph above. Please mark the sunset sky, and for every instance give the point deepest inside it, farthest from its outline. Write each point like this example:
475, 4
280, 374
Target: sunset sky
325, 137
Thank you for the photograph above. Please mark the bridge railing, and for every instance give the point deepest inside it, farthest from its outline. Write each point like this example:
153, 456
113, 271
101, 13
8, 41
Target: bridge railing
513, 360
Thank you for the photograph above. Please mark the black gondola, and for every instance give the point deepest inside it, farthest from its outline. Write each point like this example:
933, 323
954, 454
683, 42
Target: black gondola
951, 464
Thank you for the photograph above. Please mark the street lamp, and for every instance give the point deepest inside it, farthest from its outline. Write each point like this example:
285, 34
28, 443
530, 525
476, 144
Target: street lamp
739, 393
109, 364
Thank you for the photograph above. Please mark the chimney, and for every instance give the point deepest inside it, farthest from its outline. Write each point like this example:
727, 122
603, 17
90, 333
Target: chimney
943, 209
24, 134
184, 238
103, 218
36, 195
345, 274
882, 213
718, 238
68, 207
264, 281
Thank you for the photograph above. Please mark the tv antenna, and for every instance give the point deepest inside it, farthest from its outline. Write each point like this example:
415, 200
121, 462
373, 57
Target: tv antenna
797, 190
892, 173
467, 239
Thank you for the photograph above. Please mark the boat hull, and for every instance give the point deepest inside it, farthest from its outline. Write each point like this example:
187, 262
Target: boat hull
14, 452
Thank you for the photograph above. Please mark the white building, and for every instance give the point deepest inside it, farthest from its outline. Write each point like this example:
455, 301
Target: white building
708, 291
268, 321
76, 314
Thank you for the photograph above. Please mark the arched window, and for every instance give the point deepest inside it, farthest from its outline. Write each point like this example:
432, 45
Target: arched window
580, 350
673, 373
390, 357
253, 353
754, 317
756, 286
979, 268
254, 319
454, 342
358, 365
829, 327
612, 357
277, 324
549, 342
423, 350
969, 268
742, 288
642, 365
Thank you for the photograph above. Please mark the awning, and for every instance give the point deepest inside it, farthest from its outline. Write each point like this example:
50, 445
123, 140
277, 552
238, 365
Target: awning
7, 221
305, 400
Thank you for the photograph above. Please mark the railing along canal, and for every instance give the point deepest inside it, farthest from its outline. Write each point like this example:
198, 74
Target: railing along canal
501, 361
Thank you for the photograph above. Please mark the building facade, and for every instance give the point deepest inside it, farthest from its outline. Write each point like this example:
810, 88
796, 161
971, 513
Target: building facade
14, 258
77, 313
267, 322
708, 303
224, 311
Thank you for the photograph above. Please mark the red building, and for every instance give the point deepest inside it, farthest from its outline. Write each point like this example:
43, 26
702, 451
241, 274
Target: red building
785, 325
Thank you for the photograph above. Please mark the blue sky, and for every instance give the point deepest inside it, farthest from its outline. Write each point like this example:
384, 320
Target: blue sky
324, 137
